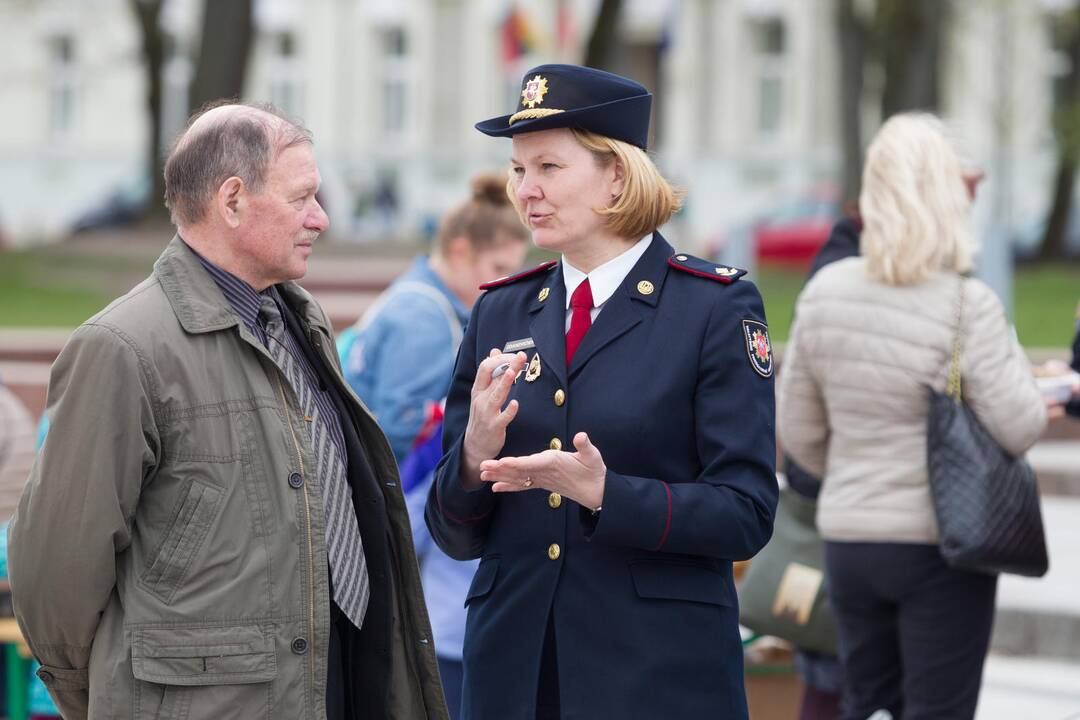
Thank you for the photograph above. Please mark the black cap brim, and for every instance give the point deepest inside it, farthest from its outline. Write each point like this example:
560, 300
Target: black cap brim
626, 119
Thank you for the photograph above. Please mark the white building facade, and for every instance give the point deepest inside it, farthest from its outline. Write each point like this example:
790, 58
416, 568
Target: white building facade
746, 114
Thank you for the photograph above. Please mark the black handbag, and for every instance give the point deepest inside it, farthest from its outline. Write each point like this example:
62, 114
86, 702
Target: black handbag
985, 500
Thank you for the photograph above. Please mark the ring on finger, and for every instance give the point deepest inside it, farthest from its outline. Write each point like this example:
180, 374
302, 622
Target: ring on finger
527, 482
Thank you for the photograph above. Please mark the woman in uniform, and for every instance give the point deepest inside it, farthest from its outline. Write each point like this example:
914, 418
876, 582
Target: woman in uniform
608, 443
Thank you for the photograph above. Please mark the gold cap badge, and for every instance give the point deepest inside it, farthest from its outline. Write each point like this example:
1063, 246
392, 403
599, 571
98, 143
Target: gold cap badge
531, 96
534, 92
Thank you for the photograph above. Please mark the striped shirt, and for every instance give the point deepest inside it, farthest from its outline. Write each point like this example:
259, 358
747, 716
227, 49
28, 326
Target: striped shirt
245, 303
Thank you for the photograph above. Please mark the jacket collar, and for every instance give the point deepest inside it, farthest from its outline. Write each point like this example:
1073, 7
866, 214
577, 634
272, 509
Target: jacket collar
198, 302
623, 310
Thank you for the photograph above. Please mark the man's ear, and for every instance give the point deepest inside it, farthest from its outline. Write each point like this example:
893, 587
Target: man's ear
231, 201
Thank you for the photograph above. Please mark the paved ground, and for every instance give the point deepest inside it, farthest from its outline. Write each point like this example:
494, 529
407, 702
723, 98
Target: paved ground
1029, 689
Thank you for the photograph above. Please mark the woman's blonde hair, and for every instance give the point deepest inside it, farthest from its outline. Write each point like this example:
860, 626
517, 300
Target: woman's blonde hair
915, 208
647, 200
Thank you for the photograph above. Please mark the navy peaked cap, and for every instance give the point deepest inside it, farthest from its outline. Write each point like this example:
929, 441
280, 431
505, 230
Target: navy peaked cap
572, 96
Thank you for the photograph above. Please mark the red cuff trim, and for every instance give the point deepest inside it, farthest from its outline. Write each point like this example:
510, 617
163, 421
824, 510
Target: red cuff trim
446, 513
667, 523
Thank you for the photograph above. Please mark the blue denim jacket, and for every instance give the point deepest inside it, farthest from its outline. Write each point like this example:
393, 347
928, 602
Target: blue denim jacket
400, 357
397, 359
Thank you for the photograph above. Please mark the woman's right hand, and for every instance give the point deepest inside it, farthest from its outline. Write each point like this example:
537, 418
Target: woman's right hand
486, 432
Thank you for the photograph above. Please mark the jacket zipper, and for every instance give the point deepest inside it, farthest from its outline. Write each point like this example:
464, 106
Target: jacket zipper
311, 550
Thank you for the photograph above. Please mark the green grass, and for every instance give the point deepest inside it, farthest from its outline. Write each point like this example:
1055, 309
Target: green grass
62, 285
1044, 302
30, 296
779, 288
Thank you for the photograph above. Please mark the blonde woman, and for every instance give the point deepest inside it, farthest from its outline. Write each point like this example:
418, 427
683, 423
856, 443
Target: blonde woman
871, 334
609, 435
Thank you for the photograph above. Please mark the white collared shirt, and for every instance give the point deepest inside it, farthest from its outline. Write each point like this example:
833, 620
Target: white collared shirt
605, 279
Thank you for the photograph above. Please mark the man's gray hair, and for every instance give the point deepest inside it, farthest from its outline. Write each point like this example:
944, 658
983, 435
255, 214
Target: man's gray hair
241, 144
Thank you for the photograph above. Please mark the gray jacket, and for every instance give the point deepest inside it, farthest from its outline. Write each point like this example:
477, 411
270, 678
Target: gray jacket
162, 563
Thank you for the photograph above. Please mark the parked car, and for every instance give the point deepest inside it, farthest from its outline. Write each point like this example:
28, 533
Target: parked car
123, 206
793, 233
790, 233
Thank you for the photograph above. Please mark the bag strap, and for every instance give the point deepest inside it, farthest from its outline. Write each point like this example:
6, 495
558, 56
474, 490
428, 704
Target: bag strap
415, 288
952, 387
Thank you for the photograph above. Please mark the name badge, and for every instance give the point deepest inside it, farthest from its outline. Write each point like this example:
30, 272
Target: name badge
516, 345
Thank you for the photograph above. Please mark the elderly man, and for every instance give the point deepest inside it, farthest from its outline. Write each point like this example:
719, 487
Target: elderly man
215, 527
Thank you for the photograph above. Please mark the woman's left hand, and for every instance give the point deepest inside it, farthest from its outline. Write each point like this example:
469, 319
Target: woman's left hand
578, 476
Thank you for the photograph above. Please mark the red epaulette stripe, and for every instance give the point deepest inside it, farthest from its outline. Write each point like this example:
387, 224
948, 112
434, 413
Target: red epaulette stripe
727, 280
667, 523
514, 278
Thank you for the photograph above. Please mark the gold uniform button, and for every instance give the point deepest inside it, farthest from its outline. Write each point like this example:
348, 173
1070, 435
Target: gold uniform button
554, 500
554, 551
560, 398
555, 444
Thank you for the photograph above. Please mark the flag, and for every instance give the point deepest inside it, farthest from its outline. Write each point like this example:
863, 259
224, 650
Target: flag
519, 37
565, 30
426, 450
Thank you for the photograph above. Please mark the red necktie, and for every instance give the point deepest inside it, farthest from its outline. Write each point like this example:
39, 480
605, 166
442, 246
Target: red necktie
581, 302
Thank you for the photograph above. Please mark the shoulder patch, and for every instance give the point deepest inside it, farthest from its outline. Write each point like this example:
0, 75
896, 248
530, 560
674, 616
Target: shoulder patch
510, 279
704, 268
758, 347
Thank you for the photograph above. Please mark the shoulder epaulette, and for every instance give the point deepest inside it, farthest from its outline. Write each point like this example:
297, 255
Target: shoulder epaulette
510, 279
704, 268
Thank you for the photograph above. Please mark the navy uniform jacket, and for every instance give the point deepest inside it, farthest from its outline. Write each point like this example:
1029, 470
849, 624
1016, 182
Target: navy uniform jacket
645, 612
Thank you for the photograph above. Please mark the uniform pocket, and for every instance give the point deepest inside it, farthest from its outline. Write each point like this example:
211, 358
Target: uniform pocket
666, 580
190, 524
203, 672
483, 580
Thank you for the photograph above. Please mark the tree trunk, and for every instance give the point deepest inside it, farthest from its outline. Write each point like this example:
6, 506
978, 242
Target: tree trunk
852, 34
1068, 139
147, 13
1053, 242
223, 55
910, 37
601, 52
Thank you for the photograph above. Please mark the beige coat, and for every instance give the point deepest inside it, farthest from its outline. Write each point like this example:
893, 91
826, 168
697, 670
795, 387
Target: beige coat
163, 564
852, 403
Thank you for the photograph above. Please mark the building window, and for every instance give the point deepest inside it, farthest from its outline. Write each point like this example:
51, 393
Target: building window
769, 45
286, 88
395, 81
62, 86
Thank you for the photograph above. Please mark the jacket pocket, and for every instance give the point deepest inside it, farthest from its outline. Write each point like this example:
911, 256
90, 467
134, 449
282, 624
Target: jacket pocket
192, 521
200, 671
667, 580
483, 580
